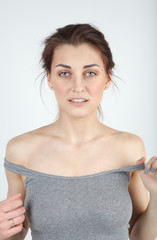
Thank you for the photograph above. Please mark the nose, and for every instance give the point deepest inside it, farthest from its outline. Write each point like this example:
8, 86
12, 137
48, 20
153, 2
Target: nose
78, 85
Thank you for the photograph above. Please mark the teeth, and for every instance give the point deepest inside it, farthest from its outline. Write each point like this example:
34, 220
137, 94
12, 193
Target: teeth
78, 100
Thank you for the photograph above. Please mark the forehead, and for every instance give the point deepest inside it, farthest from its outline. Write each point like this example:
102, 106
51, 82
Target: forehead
84, 52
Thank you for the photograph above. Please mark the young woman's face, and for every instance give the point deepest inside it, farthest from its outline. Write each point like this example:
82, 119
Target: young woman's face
76, 79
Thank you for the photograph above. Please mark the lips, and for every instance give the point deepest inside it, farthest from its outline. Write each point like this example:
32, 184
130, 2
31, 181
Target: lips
78, 102
78, 98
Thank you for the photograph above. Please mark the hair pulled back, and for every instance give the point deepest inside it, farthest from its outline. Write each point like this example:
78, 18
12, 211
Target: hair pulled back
75, 34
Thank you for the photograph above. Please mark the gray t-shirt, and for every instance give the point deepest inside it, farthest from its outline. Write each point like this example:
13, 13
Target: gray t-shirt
92, 207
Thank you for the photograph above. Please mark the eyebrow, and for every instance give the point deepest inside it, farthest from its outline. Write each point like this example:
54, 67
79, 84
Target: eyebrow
86, 66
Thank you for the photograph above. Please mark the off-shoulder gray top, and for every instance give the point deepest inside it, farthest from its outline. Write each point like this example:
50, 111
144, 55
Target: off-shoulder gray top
92, 207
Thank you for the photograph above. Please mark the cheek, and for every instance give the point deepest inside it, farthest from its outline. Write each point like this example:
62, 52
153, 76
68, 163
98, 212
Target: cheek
97, 88
59, 89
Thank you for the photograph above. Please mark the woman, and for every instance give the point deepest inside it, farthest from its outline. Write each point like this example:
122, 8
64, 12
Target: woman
77, 177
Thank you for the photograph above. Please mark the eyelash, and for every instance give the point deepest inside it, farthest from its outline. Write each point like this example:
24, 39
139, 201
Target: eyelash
87, 72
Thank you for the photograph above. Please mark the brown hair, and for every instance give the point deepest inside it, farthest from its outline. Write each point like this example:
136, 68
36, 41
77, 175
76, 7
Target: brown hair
76, 34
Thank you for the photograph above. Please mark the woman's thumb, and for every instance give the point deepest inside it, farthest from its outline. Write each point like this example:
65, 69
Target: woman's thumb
141, 160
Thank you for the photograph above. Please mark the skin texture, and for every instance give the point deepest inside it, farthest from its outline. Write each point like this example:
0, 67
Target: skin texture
80, 121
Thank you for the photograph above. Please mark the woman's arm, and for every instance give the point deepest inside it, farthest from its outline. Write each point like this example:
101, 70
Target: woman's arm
15, 185
146, 226
144, 219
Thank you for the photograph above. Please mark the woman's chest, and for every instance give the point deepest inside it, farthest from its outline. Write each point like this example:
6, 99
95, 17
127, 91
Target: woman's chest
98, 201
63, 160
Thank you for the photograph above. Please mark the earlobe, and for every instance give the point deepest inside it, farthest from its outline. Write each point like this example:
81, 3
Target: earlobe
49, 80
107, 83
48, 75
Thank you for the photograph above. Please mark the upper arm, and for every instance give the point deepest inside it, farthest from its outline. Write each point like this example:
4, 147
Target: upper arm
15, 182
136, 188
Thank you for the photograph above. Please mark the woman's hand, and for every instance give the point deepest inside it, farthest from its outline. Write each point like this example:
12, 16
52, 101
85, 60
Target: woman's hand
11, 208
149, 175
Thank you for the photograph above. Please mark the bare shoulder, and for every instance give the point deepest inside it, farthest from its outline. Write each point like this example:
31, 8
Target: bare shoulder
133, 148
20, 147
16, 150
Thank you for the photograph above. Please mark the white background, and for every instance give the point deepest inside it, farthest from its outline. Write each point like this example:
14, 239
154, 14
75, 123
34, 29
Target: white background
130, 29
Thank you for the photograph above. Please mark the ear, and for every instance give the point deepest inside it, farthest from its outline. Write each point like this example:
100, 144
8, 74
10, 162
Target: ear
48, 75
109, 75
107, 82
48, 78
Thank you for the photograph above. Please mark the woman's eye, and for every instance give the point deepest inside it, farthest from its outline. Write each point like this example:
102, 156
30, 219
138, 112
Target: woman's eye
92, 74
62, 73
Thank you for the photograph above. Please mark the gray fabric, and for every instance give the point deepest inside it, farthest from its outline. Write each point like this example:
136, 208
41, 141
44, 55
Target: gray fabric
92, 207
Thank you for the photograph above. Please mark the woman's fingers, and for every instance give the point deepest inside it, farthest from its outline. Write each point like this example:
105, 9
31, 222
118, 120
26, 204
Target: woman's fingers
11, 231
14, 197
12, 214
8, 223
6, 206
11, 208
